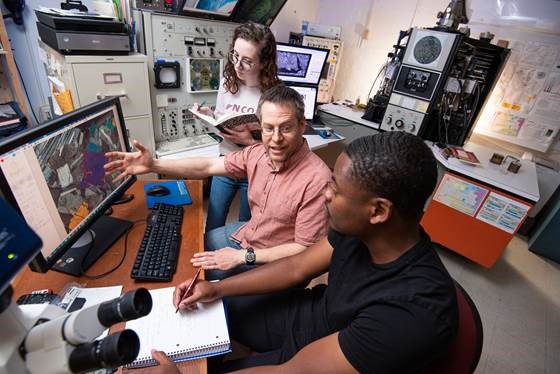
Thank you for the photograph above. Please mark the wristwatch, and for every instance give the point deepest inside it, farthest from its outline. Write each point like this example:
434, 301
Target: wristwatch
250, 257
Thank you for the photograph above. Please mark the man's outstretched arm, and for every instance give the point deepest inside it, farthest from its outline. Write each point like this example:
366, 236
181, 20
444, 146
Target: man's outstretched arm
142, 162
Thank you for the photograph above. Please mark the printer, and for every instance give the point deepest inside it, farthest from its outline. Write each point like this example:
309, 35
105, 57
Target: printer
82, 33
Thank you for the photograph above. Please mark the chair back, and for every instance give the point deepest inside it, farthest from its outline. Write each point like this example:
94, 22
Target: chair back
464, 352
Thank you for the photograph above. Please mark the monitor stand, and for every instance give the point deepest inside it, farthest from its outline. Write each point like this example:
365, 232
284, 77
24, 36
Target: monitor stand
104, 232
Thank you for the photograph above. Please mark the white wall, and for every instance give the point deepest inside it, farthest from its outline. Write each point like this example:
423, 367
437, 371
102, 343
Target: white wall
362, 59
290, 17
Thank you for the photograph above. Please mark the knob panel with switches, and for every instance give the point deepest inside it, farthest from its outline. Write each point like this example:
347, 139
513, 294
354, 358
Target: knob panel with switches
401, 119
196, 45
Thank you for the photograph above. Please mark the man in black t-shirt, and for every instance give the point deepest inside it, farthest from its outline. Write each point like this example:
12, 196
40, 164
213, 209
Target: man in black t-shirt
390, 304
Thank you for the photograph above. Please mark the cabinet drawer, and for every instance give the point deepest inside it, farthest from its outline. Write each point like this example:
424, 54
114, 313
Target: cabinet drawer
141, 129
97, 80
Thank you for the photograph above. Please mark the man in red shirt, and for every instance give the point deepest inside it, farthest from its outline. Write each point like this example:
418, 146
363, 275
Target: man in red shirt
286, 183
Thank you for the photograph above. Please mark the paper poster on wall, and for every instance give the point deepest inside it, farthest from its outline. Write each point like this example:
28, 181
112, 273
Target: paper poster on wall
460, 195
525, 85
524, 107
507, 124
538, 54
552, 86
502, 212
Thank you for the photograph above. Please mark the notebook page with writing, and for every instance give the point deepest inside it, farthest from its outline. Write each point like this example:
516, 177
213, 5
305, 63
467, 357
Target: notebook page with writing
182, 336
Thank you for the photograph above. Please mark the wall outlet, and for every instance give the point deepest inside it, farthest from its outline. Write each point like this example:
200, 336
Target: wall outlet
45, 112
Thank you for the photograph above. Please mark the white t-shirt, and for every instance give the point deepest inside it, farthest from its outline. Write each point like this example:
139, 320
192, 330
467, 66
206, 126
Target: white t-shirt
245, 101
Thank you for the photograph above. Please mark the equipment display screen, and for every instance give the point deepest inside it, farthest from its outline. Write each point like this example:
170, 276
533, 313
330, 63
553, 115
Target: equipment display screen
427, 50
220, 7
300, 64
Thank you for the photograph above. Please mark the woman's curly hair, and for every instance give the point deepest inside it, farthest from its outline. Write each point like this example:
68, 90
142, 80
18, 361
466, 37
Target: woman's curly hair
262, 36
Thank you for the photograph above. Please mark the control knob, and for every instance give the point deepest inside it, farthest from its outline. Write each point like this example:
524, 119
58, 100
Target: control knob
389, 120
399, 123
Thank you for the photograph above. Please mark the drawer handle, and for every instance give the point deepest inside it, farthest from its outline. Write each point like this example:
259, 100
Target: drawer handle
103, 96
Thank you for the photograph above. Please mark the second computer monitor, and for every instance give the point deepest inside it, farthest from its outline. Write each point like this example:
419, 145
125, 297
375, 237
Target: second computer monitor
299, 64
309, 95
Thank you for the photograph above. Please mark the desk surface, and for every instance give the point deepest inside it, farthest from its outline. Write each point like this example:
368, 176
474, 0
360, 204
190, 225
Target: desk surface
523, 184
192, 241
353, 115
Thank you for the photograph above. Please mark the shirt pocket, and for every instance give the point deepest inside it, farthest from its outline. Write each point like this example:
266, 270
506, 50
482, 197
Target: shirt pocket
283, 210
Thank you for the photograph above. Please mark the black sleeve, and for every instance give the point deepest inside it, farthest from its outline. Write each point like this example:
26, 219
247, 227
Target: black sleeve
393, 339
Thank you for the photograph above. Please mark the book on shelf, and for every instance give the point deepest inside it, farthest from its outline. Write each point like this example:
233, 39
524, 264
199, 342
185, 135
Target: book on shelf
183, 336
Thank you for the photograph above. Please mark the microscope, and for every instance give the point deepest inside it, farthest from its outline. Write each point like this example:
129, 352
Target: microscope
55, 341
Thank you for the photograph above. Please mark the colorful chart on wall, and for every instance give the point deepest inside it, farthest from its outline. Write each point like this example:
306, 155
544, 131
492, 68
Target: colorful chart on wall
459, 194
524, 107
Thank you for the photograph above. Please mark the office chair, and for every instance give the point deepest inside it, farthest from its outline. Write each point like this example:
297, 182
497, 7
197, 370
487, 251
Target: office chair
464, 352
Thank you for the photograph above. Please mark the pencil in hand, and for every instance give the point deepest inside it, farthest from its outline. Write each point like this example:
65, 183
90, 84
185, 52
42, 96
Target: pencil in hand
189, 288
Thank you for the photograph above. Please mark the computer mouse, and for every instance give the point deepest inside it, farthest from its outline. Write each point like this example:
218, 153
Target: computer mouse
158, 190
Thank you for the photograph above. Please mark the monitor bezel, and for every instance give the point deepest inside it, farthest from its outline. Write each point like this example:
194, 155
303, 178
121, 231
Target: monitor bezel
298, 83
39, 262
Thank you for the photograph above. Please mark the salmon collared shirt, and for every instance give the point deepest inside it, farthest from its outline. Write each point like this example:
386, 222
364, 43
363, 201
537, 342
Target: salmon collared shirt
287, 205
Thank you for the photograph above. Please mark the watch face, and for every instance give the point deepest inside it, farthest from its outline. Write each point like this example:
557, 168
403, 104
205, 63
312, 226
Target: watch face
250, 257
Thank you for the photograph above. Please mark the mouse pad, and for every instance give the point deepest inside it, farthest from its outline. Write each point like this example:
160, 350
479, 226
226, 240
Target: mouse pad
178, 193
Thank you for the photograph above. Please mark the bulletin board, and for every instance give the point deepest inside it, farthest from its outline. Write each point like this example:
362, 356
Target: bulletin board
524, 107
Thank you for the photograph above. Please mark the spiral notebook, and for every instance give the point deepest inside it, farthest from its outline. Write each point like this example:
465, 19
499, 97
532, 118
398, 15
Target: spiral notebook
183, 336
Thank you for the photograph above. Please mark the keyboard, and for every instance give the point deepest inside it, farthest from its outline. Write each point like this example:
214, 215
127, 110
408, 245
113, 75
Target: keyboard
159, 251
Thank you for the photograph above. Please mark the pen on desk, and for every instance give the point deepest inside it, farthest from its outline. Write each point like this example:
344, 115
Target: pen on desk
202, 104
189, 288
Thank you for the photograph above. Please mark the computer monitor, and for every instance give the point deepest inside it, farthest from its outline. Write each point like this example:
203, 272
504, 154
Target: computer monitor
221, 9
259, 11
299, 64
53, 175
309, 95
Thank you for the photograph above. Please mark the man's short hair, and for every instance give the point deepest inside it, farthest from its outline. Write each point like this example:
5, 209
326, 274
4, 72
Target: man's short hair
283, 95
397, 166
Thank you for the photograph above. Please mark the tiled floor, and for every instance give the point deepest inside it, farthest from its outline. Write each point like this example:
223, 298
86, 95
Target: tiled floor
519, 303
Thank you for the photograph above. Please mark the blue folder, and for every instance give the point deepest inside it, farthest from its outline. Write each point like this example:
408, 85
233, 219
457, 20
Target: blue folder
178, 193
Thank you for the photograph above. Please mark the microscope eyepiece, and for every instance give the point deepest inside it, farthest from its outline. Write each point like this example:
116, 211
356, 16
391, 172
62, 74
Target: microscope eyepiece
131, 305
113, 351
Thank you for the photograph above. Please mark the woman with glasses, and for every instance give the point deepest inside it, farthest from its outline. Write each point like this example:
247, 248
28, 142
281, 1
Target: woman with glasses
250, 70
